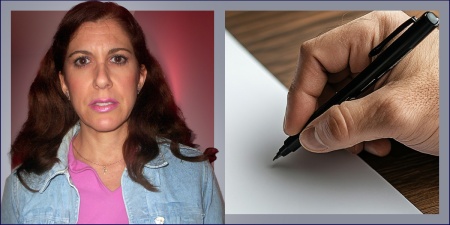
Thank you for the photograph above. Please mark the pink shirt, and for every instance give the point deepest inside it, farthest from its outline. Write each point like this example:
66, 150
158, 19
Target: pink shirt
97, 203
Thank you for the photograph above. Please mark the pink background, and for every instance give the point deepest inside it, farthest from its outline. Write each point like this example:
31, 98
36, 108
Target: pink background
182, 41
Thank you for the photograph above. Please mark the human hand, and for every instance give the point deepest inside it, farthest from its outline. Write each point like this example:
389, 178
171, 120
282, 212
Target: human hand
404, 104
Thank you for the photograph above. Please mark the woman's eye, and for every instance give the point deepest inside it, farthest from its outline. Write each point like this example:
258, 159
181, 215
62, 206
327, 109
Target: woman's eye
82, 61
118, 59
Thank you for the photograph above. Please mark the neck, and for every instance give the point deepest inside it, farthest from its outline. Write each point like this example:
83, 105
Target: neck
100, 147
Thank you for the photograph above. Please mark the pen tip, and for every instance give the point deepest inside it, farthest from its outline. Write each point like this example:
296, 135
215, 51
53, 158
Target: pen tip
276, 157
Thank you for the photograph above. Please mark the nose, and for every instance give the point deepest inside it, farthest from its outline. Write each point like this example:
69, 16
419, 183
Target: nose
102, 79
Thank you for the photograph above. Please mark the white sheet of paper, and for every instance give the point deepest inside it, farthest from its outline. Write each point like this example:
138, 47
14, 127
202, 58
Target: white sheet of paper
302, 182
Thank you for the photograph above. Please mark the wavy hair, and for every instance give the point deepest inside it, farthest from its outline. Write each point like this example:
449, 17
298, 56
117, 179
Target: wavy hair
51, 115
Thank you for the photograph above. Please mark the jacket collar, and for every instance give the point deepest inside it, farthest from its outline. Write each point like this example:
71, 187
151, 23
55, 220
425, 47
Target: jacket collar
41, 182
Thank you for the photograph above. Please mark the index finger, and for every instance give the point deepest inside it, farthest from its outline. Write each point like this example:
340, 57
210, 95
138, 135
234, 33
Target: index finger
330, 53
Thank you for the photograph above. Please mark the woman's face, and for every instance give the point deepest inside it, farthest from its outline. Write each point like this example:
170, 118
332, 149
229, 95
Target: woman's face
101, 75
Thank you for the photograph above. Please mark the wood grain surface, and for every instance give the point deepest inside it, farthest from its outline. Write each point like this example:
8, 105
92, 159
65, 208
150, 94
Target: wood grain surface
274, 38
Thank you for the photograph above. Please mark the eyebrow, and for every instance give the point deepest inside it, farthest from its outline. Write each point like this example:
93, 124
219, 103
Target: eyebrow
111, 51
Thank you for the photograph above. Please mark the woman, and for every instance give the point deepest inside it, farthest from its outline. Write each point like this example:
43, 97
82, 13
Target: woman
104, 141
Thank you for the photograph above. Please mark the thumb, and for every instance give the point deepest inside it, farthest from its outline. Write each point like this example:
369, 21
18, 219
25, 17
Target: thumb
347, 124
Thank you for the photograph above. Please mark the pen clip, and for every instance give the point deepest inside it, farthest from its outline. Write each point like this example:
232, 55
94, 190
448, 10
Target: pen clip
375, 51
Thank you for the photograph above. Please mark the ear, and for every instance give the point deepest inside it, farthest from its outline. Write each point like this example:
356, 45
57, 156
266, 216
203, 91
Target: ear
142, 76
63, 83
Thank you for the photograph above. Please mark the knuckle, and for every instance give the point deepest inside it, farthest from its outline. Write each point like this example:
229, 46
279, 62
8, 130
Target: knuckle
337, 128
306, 47
378, 14
393, 113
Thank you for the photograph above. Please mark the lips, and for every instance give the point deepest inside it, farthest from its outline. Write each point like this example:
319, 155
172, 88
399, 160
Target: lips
104, 105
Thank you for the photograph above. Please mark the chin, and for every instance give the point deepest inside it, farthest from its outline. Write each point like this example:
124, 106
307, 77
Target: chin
107, 126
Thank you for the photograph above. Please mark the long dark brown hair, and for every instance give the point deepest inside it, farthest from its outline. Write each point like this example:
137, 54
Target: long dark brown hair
51, 115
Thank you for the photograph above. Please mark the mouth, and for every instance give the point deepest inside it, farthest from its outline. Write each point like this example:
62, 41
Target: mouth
104, 105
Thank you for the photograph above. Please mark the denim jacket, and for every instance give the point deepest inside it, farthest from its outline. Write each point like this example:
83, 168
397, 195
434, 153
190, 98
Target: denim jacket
188, 192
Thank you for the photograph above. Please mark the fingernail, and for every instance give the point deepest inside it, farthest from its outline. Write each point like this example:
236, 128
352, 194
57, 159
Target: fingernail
371, 150
284, 120
311, 141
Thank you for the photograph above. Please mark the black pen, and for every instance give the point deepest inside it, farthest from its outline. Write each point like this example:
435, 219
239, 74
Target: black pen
419, 29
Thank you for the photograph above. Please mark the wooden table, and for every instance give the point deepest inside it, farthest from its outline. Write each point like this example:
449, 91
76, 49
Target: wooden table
274, 38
